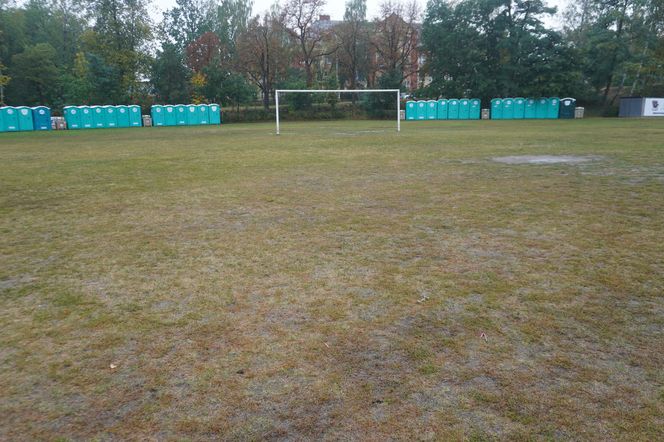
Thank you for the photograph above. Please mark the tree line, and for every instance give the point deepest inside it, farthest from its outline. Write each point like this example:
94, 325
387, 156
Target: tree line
58, 52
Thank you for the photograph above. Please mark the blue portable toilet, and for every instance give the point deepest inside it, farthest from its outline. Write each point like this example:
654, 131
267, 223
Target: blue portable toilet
72, 117
431, 109
475, 109
519, 108
192, 115
530, 111
452, 109
98, 117
421, 109
157, 113
411, 110
180, 114
464, 109
214, 113
169, 115
542, 108
203, 114
10, 119
24, 115
122, 115
110, 116
87, 118
2, 121
554, 108
135, 118
508, 109
441, 109
497, 109
41, 118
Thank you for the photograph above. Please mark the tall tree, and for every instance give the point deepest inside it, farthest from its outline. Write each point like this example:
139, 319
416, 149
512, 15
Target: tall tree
35, 75
353, 37
169, 75
301, 20
186, 21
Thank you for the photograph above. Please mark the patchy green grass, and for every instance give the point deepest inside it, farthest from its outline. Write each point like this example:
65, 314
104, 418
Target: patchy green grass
337, 282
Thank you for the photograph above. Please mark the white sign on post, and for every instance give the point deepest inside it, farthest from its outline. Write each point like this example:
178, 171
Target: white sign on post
653, 107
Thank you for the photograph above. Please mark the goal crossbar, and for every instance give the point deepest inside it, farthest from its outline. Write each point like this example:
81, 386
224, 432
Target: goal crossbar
341, 91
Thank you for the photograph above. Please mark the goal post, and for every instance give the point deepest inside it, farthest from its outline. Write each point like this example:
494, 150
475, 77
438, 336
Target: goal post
397, 92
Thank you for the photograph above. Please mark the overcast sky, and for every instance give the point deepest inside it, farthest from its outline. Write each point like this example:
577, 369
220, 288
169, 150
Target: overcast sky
334, 8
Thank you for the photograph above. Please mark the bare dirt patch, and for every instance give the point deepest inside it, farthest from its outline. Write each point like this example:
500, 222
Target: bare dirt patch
544, 159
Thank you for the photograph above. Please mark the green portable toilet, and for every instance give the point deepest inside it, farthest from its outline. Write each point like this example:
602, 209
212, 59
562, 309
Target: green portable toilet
432, 110
554, 108
441, 109
215, 114
87, 119
110, 116
567, 107
72, 117
508, 109
421, 110
41, 118
169, 115
464, 109
10, 119
135, 119
24, 115
530, 111
98, 117
122, 115
542, 108
157, 113
411, 111
519, 108
453, 109
475, 109
203, 114
180, 114
497, 109
192, 115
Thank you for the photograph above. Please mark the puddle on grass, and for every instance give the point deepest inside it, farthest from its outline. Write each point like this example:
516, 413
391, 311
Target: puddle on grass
544, 159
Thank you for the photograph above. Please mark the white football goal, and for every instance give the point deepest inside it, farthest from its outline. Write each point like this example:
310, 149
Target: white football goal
396, 92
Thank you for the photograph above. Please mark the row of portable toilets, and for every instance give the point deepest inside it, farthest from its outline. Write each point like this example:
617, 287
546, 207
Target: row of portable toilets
102, 117
453, 109
185, 115
22, 118
501, 109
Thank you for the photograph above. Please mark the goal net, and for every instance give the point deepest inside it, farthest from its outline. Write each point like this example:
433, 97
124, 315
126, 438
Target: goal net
376, 103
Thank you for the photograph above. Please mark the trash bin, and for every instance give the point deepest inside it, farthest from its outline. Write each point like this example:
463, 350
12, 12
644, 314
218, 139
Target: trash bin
486, 114
542, 108
441, 109
192, 115
411, 111
579, 112
203, 115
508, 109
453, 109
421, 110
215, 114
110, 116
98, 117
567, 108
497, 109
147, 121
464, 109
157, 113
41, 118
72, 117
432, 111
169, 115
134, 115
24, 115
554, 108
87, 119
180, 114
122, 115
530, 111
475, 109
519, 108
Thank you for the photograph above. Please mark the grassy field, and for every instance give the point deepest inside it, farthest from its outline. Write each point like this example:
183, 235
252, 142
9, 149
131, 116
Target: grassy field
337, 282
